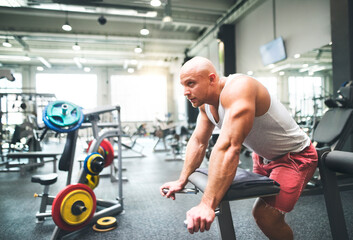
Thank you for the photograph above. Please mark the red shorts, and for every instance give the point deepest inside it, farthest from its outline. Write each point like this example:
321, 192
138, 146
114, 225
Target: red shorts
292, 172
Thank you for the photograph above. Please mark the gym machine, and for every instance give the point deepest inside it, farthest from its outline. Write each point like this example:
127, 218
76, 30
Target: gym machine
331, 163
76, 206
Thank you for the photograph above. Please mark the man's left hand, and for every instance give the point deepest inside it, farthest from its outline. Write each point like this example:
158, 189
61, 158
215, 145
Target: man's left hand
200, 218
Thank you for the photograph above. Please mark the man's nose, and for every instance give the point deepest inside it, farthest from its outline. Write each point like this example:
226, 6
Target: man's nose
186, 91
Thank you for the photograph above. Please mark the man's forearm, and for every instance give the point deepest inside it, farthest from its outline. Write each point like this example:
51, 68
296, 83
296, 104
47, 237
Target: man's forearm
222, 169
195, 153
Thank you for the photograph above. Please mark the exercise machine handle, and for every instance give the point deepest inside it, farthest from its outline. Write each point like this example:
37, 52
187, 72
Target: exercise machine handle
184, 190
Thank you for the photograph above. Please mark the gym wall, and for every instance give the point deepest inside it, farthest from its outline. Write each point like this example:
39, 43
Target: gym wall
304, 25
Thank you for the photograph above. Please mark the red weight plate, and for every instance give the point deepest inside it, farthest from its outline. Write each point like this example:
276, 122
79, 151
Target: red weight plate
109, 151
55, 209
108, 147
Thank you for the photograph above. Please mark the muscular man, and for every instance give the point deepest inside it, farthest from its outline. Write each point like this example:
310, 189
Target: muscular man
247, 114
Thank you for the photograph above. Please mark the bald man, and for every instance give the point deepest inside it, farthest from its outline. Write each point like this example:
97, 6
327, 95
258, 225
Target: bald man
246, 114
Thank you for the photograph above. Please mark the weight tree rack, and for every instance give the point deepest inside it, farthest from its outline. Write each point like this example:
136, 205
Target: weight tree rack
112, 207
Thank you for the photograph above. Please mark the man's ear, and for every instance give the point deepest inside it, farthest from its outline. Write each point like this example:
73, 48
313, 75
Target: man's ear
212, 78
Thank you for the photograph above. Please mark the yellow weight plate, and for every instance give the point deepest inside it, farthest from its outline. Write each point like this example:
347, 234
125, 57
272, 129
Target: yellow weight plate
72, 198
106, 222
102, 230
92, 181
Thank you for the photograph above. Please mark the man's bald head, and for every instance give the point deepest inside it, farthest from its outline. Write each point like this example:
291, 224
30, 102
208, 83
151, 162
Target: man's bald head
199, 66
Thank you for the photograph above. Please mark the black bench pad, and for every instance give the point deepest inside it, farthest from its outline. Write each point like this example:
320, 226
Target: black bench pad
245, 184
46, 179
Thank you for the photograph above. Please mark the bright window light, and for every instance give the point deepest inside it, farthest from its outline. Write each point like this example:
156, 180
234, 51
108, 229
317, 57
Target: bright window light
301, 99
80, 89
270, 83
133, 94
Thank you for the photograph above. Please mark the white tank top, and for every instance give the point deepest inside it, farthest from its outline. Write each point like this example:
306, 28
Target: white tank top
273, 134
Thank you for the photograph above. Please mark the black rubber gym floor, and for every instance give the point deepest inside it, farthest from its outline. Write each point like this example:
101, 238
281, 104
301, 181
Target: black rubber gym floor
148, 215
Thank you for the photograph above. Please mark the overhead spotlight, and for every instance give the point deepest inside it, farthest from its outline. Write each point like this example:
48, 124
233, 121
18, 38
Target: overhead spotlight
144, 31
76, 47
155, 3
7, 43
167, 19
66, 27
168, 12
102, 20
138, 49
130, 70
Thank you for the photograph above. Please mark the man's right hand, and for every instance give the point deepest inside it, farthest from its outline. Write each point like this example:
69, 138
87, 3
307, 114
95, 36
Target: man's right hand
172, 187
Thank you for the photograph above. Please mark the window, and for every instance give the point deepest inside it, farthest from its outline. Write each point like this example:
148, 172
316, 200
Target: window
270, 83
141, 98
8, 86
80, 89
9, 103
305, 96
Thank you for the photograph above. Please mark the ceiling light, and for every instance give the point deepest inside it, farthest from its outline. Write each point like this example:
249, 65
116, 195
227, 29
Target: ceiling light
297, 55
86, 69
167, 19
130, 70
40, 68
155, 3
138, 49
6, 43
144, 31
271, 65
168, 12
66, 27
76, 47
281, 73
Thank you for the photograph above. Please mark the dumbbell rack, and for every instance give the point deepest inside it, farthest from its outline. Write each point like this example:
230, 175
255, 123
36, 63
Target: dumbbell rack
111, 207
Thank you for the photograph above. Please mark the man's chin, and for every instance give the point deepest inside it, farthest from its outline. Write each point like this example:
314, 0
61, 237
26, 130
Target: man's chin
194, 105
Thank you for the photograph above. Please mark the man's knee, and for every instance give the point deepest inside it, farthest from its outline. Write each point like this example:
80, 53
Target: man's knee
265, 214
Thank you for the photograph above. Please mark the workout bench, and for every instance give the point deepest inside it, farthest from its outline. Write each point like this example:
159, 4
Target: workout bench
32, 157
245, 185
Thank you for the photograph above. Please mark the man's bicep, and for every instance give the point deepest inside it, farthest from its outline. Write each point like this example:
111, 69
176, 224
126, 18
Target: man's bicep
238, 122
